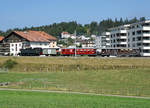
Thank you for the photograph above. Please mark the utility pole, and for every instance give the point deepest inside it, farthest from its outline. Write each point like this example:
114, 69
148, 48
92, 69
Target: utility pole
75, 33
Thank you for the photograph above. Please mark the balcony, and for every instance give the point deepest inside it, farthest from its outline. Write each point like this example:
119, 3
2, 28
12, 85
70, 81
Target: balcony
145, 54
146, 47
146, 28
146, 41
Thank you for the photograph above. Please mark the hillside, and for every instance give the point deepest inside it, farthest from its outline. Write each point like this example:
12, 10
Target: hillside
93, 28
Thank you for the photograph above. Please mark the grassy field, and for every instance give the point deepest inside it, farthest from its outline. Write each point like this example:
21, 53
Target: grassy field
43, 64
16, 99
135, 82
118, 76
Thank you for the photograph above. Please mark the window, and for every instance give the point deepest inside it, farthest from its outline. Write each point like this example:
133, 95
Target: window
128, 34
133, 33
146, 51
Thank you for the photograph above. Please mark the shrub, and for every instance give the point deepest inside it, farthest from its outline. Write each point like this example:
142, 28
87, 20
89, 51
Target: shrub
9, 64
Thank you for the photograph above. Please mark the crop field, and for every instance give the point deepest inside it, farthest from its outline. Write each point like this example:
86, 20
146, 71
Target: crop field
19, 99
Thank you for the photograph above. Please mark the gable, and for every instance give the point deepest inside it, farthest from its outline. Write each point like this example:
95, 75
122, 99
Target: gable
13, 37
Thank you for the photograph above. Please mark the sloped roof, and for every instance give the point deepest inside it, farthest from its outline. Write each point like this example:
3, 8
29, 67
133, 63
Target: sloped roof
35, 36
65, 33
1, 38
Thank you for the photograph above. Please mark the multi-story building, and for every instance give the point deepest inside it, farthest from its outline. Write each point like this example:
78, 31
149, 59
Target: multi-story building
103, 41
17, 40
119, 37
131, 36
87, 44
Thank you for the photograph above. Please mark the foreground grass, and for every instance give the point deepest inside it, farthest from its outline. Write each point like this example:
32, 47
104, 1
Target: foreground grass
12, 99
135, 82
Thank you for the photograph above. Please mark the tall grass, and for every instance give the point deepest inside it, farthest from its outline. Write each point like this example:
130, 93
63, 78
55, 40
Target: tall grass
39, 64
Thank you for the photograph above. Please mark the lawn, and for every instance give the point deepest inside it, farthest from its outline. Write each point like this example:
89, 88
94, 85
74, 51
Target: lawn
17, 99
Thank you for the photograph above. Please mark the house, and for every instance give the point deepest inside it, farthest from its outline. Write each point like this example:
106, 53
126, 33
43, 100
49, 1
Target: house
88, 44
65, 35
17, 40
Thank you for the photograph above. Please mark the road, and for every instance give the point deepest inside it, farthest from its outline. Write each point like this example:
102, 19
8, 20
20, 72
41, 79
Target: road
27, 90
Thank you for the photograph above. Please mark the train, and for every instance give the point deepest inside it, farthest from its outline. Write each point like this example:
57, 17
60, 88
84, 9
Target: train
39, 52
80, 52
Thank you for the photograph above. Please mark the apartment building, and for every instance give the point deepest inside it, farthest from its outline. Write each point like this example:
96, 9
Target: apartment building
103, 41
131, 36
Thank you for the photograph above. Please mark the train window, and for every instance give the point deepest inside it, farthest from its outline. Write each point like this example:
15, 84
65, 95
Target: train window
63, 50
67, 49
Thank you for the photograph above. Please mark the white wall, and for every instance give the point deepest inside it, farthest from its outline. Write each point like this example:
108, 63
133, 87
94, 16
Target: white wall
39, 45
15, 48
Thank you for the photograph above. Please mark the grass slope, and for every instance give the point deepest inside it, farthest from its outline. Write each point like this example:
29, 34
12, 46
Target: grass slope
12, 99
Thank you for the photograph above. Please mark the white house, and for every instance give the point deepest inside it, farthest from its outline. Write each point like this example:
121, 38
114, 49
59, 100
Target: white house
29, 39
65, 35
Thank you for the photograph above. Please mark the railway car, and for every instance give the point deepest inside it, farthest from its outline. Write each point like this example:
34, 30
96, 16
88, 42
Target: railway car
50, 51
78, 51
31, 52
120, 52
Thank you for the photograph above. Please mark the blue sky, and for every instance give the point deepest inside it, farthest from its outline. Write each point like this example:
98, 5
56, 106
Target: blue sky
21, 13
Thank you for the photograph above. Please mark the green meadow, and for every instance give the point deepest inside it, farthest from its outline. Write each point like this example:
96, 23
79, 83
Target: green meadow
17, 99
107, 76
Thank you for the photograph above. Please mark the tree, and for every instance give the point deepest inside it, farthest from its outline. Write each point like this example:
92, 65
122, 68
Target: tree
142, 19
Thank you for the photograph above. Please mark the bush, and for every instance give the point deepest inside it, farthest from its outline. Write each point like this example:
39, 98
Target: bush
9, 64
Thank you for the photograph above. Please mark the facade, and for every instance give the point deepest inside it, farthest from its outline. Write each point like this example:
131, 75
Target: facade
103, 41
29, 39
131, 36
119, 37
88, 44
65, 35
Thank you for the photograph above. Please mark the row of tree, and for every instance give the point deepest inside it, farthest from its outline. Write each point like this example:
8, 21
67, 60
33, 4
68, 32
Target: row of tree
93, 28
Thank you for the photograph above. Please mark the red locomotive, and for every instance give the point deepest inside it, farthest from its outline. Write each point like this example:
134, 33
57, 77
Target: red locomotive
79, 51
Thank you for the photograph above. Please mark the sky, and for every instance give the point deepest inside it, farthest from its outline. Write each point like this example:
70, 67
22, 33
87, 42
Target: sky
21, 13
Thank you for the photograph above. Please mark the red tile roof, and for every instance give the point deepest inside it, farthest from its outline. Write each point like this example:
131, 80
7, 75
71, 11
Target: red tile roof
1, 38
36, 36
65, 33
